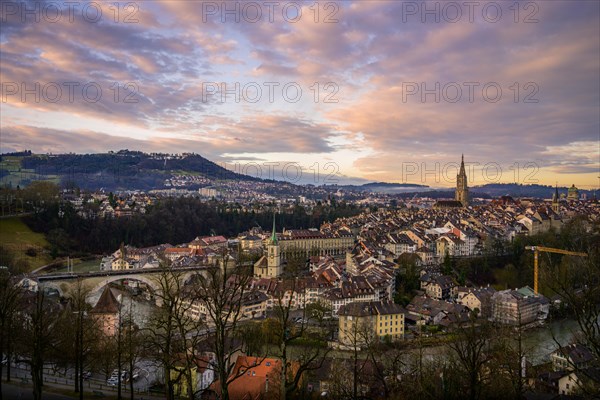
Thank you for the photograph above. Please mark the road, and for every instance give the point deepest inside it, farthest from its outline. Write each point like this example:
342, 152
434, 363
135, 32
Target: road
23, 387
23, 392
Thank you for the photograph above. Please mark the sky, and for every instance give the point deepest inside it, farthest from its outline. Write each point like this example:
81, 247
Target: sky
317, 91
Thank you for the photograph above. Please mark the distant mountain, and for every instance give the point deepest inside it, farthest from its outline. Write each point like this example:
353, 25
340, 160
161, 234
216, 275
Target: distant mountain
391, 185
135, 170
382, 187
122, 170
518, 190
494, 190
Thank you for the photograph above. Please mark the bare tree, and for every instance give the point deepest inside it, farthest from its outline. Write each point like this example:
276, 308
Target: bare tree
132, 346
511, 355
577, 281
339, 371
38, 337
85, 332
10, 295
387, 365
189, 330
120, 348
288, 296
162, 331
221, 293
358, 336
424, 377
472, 350
318, 311
252, 338
104, 354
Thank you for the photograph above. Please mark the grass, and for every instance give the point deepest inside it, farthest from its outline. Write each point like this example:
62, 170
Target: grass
17, 238
82, 266
21, 176
182, 172
25, 176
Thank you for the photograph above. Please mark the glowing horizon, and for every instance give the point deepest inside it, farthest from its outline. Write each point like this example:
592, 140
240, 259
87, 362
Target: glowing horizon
374, 88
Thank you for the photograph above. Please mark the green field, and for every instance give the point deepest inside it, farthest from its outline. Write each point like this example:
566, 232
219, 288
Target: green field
82, 266
180, 172
21, 176
17, 238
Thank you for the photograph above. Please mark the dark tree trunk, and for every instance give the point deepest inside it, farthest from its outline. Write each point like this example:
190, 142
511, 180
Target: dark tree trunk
80, 356
37, 377
1, 350
8, 353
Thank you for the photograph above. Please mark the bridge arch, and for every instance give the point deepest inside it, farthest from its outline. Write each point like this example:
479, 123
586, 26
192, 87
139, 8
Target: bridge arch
141, 278
61, 286
187, 276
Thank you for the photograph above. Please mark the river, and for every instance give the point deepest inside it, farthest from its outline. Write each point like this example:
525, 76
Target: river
538, 343
141, 308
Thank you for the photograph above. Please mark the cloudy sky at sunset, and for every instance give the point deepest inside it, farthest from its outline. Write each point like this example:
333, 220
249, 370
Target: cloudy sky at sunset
316, 83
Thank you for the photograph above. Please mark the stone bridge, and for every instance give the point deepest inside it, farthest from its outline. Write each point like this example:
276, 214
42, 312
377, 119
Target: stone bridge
97, 280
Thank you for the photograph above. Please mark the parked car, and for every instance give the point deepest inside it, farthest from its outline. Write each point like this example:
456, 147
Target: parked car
87, 375
115, 373
114, 378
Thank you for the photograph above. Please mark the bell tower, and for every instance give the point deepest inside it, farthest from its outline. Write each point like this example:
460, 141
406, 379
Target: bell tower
555, 199
274, 268
462, 190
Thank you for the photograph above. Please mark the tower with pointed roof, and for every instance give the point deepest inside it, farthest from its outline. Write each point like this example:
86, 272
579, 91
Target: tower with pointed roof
106, 312
555, 200
462, 190
274, 267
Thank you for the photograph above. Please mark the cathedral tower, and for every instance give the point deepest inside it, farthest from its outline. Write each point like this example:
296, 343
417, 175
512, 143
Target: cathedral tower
555, 199
462, 190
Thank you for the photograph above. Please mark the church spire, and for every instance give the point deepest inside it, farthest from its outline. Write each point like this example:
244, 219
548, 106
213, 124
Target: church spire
555, 198
274, 234
462, 189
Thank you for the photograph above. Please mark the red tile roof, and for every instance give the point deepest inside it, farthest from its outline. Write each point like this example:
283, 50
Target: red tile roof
259, 379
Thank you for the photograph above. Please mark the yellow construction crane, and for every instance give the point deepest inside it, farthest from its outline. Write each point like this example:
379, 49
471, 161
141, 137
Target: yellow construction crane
536, 251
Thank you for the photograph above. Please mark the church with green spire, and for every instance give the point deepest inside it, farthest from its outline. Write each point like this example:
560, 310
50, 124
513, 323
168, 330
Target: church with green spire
270, 266
274, 234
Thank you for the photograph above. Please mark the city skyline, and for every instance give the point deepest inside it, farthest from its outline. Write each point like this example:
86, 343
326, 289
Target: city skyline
374, 88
